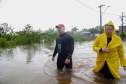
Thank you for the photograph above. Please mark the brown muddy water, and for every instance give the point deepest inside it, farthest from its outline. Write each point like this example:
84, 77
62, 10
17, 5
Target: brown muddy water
33, 65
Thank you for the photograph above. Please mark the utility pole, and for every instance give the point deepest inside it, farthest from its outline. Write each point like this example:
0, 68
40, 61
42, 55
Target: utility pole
122, 24
100, 7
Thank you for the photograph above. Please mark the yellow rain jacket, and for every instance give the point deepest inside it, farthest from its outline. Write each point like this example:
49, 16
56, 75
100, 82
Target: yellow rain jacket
114, 57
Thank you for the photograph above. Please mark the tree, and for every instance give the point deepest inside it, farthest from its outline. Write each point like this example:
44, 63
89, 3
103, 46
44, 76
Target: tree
74, 29
28, 28
5, 29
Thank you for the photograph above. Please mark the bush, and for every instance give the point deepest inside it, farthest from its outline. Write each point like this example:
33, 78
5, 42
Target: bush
3, 42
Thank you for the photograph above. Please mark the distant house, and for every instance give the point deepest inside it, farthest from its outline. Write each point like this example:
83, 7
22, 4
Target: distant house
124, 30
90, 34
86, 33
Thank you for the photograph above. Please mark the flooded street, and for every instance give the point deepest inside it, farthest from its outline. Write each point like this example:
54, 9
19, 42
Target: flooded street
33, 65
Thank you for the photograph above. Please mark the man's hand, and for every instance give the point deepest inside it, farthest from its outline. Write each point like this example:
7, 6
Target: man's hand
124, 67
67, 61
105, 49
53, 58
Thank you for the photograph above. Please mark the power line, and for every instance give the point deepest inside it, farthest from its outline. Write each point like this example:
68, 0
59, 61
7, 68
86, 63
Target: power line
113, 14
92, 9
85, 5
106, 9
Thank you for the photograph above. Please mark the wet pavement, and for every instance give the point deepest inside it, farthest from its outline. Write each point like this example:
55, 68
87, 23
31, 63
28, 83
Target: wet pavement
33, 65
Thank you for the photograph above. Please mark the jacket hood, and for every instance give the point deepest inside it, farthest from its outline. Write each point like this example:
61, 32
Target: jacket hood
109, 23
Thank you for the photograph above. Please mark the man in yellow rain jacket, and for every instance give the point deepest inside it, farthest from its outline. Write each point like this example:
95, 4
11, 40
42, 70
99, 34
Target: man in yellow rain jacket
110, 52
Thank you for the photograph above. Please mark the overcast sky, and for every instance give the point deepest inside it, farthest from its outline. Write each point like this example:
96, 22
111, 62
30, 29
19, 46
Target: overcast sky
46, 14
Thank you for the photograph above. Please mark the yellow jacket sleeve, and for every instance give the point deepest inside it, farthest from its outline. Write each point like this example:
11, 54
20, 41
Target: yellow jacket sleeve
121, 55
96, 47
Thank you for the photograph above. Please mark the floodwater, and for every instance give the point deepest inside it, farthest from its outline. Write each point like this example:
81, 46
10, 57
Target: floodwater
33, 65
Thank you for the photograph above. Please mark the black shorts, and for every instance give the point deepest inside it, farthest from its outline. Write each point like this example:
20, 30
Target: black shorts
61, 64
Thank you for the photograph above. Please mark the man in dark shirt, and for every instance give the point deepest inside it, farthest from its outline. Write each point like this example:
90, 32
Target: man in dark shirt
64, 47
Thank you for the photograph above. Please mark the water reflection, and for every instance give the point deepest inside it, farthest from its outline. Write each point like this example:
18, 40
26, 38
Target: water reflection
100, 79
30, 51
64, 78
10, 53
7, 53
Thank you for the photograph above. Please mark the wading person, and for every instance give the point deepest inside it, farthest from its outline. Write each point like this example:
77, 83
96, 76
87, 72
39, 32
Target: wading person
64, 47
110, 53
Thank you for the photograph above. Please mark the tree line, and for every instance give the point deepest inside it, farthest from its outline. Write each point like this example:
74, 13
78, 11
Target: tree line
10, 38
